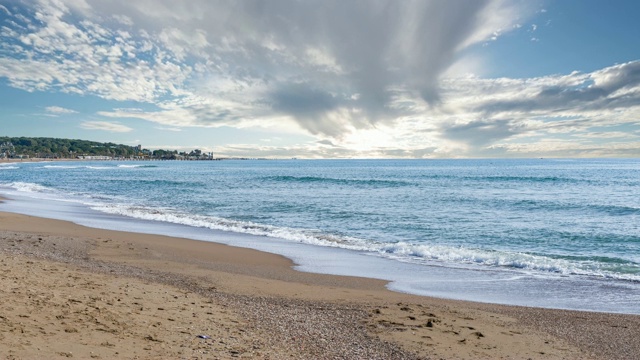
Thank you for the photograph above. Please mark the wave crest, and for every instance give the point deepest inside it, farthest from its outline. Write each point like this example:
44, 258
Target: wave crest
317, 179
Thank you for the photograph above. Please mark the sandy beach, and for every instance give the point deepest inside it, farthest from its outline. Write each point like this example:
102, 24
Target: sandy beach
71, 291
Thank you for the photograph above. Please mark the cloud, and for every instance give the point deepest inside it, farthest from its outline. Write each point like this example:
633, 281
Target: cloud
310, 106
385, 78
479, 114
349, 60
569, 149
5, 10
169, 129
84, 57
607, 89
105, 126
479, 133
59, 110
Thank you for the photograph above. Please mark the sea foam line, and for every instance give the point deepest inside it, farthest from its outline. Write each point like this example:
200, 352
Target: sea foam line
28, 187
401, 251
62, 167
136, 166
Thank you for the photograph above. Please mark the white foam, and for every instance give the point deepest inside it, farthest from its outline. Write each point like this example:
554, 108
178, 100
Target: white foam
450, 256
101, 167
61, 167
28, 187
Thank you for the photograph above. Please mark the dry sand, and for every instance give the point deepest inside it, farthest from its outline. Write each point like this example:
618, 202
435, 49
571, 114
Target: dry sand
72, 291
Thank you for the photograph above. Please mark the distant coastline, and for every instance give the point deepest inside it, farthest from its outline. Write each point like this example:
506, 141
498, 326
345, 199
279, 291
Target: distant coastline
21, 148
26, 160
12, 160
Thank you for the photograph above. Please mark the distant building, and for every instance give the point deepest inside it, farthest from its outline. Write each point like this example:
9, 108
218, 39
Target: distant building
87, 157
7, 150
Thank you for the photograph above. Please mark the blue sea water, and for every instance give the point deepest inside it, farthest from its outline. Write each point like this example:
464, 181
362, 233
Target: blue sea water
539, 232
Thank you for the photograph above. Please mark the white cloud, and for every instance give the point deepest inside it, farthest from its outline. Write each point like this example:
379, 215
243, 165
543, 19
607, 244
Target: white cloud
86, 58
494, 19
174, 129
105, 126
123, 19
59, 110
182, 43
4, 8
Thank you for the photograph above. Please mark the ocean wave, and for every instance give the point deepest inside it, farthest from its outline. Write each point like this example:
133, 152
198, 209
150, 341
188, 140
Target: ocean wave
8, 167
159, 182
617, 210
101, 167
216, 223
62, 167
401, 251
529, 179
317, 179
619, 269
28, 187
547, 205
137, 166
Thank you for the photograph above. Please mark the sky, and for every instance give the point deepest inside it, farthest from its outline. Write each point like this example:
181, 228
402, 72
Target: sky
327, 78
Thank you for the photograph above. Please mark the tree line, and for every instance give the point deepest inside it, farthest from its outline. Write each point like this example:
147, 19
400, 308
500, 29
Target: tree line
41, 147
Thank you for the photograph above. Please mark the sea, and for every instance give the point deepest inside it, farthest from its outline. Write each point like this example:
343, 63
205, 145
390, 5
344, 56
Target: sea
555, 233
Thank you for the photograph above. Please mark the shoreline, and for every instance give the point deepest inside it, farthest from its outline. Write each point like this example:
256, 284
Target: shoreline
461, 282
396, 325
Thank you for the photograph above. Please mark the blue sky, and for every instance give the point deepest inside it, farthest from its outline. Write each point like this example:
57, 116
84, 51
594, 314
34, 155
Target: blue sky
327, 79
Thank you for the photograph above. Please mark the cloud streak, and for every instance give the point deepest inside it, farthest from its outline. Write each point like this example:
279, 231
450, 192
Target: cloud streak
59, 110
105, 126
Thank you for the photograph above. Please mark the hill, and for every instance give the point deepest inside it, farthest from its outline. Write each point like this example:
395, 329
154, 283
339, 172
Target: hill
53, 148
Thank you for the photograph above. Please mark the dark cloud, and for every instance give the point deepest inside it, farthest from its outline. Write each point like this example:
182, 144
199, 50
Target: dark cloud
482, 132
309, 106
441, 27
302, 100
561, 105
326, 142
598, 92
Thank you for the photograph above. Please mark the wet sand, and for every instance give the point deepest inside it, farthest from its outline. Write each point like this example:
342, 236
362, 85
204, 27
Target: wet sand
73, 291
